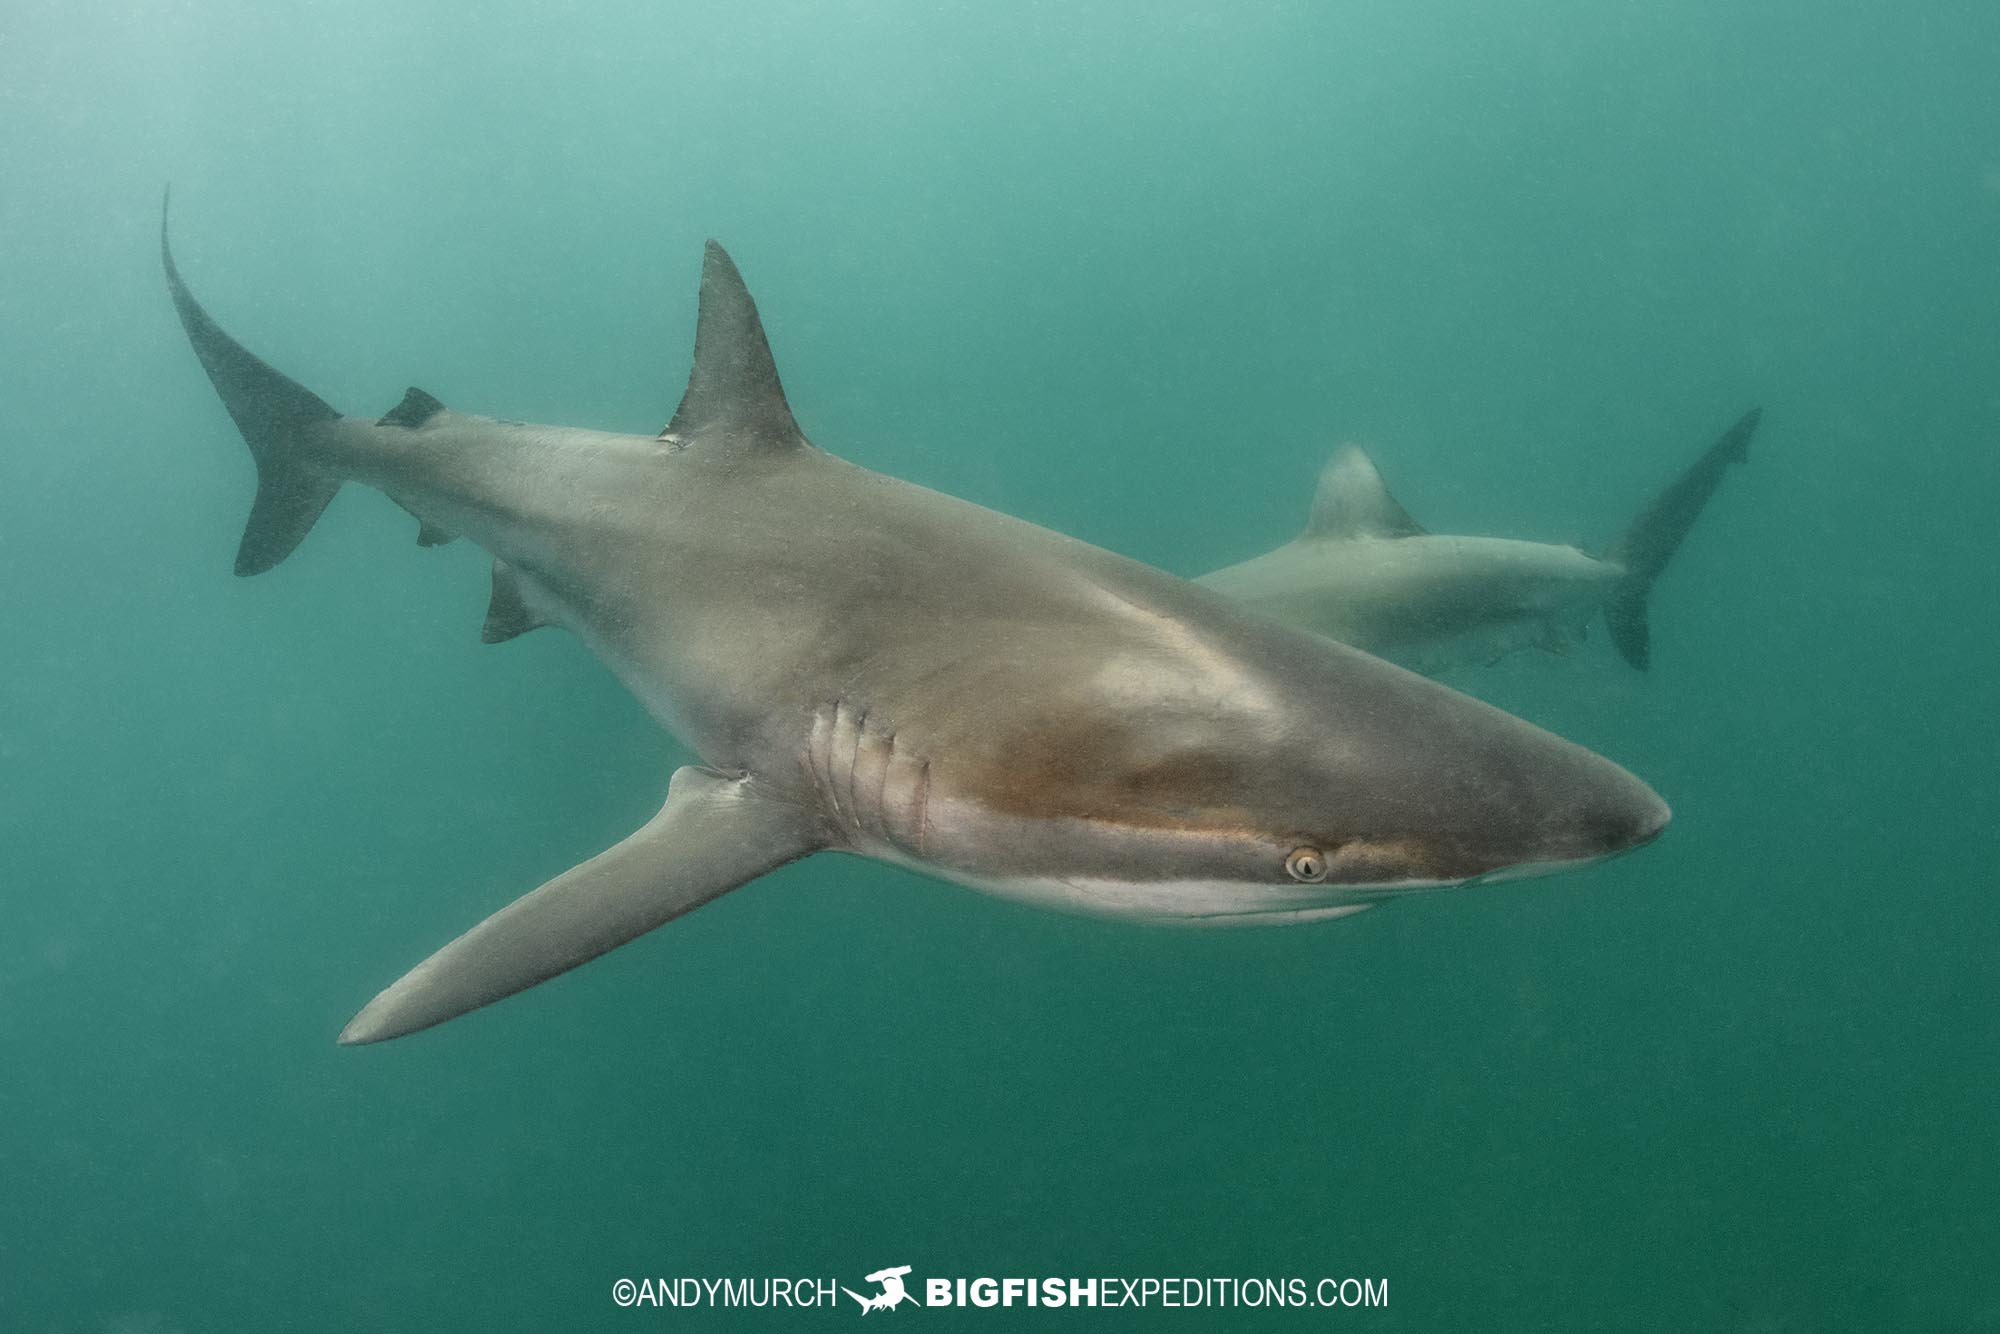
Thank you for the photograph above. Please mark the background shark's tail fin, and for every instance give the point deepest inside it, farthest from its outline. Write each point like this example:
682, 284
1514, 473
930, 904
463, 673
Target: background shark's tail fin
1653, 537
274, 412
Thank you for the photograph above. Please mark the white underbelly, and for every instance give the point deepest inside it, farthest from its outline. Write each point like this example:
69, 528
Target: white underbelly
1172, 902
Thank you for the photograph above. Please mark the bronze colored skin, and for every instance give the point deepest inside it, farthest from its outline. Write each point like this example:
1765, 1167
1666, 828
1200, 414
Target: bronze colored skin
867, 666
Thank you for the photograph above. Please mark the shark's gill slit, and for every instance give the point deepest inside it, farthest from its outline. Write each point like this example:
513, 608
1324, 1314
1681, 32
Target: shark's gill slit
923, 810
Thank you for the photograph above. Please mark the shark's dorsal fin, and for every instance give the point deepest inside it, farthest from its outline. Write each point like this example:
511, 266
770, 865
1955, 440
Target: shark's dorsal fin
1353, 502
416, 408
509, 613
733, 397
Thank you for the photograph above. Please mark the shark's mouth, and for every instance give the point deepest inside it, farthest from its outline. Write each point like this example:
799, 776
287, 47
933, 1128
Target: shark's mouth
1192, 902
1529, 870
1227, 903
1552, 866
1261, 916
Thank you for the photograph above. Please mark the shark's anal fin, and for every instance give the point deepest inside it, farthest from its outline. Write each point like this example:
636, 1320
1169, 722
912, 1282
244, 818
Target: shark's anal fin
733, 400
1353, 502
509, 612
713, 834
429, 534
1657, 533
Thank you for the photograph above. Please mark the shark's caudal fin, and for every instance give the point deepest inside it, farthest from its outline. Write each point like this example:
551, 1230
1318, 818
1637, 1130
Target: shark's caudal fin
1653, 537
275, 413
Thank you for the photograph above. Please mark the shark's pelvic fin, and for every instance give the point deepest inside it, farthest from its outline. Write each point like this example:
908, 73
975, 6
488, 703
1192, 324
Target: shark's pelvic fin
276, 416
1353, 502
733, 399
509, 612
713, 834
416, 408
1653, 537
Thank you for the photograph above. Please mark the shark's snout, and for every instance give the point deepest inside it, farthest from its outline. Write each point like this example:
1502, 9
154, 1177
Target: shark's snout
1613, 813
1596, 809
1636, 819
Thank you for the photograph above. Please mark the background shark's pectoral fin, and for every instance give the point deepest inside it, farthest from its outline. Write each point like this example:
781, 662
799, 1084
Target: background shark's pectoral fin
713, 834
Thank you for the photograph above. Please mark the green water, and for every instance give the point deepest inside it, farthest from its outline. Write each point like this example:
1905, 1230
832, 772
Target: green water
1128, 271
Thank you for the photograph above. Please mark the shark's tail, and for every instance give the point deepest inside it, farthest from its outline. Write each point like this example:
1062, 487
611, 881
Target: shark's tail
277, 416
1653, 537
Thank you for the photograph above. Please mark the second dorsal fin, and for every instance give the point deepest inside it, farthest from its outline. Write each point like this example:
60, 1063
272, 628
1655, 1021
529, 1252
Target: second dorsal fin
733, 399
1353, 502
416, 408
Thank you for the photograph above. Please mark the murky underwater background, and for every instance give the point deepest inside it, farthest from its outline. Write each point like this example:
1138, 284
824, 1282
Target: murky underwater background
1129, 271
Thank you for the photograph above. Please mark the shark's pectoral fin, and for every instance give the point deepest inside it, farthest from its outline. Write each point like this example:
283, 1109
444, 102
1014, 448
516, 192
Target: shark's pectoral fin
713, 834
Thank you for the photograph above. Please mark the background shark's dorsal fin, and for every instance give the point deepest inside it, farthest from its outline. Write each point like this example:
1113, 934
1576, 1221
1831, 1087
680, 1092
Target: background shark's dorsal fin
1353, 502
733, 393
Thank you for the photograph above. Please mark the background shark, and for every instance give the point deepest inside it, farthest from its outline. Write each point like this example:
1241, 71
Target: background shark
1365, 573
866, 666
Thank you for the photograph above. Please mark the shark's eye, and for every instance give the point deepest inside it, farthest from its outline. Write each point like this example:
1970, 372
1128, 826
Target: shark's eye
1307, 864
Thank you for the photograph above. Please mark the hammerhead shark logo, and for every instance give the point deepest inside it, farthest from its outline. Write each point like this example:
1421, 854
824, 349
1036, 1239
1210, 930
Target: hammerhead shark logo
893, 1292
